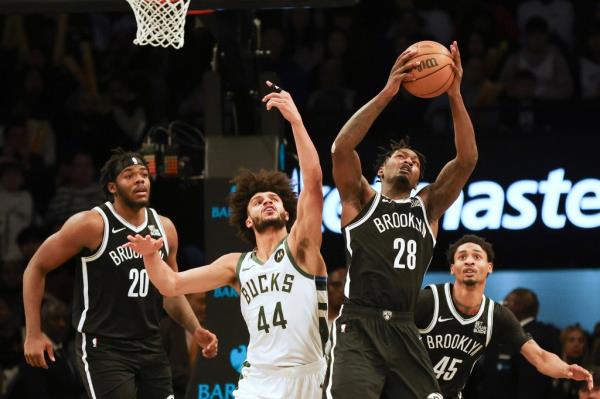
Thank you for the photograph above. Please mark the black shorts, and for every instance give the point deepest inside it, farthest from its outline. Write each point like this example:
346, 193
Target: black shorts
124, 368
378, 354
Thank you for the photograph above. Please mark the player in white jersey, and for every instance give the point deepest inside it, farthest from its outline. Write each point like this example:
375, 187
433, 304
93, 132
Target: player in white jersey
282, 282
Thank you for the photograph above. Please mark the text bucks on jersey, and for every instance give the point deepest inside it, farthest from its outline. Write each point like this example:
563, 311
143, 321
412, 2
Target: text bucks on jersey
284, 308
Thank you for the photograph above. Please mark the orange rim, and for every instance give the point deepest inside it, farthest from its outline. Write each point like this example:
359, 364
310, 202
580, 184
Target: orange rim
200, 12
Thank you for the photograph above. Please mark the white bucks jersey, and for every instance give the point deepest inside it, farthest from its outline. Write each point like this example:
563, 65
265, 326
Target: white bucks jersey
285, 310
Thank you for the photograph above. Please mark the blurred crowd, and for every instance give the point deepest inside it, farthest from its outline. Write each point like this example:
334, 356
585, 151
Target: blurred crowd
74, 86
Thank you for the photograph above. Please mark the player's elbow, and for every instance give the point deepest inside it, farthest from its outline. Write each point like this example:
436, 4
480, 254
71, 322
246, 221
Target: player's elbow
312, 176
468, 160
168, 287
341, 146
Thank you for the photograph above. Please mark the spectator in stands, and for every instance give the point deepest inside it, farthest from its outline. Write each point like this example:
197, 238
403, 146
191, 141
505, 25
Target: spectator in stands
29, 240
519, 110
180, 347
589, 66
332, 95
336, 280
304, 38
595, 346
584, 392
558, 14
574, 342
16, 208
11, 348
82, 192
537, 55
60, 380
18, 148
509, 375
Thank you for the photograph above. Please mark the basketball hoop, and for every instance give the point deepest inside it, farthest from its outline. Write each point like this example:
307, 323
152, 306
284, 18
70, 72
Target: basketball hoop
160, 23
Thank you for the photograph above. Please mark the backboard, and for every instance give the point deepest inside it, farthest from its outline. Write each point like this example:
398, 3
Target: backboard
69, 6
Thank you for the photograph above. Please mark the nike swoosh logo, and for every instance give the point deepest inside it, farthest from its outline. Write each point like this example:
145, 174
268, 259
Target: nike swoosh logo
248, 268
117, 230
441, 320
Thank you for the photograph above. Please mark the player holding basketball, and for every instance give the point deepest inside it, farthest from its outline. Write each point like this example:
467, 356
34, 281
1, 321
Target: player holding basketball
282, 282
116, 311
389, 239
457, 322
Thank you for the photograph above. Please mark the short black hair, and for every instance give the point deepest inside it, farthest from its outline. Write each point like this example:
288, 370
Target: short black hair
485, 245
119, 160
386, 152
528, 300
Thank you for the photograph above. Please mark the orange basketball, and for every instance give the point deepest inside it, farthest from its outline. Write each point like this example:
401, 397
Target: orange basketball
434, 75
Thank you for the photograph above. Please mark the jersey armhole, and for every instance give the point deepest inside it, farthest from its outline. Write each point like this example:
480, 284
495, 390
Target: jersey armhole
436, 310
490, 322
426, 218
239, 265
100, 250
293, 261
162, 230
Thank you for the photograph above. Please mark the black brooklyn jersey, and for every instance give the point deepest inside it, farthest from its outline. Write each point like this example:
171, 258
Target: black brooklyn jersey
455, 343
388, 246
113, 294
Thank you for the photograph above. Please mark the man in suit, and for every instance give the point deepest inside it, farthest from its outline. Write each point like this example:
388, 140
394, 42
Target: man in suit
509, 375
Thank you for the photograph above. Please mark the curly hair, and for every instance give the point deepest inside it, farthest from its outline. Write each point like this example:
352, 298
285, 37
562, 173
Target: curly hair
248, 183
485, 245
119, 160
386, 152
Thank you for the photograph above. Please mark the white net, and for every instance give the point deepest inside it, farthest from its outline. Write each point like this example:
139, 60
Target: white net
160, 22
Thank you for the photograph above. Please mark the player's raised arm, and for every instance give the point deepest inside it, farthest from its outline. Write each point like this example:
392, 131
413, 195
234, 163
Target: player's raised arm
354, 189
310, 201
445, 190
170, 283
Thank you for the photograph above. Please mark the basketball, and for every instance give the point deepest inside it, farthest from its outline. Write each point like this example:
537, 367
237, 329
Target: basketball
434, 75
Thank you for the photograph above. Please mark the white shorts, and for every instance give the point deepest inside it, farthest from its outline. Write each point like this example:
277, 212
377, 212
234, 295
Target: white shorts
299, 382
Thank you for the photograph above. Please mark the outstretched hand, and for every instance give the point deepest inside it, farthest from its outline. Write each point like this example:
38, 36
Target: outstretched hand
143, 245
578, 373
207, 341
400, 72
456, 65
282, 100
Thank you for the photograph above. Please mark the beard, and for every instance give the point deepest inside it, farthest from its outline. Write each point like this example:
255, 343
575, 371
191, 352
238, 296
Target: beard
469, 282
260, 225
401, 181
131, 202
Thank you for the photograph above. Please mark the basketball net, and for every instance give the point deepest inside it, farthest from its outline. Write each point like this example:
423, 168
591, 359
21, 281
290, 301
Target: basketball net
160, 23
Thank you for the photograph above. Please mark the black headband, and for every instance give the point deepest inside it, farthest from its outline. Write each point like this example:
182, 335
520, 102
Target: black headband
123, 163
